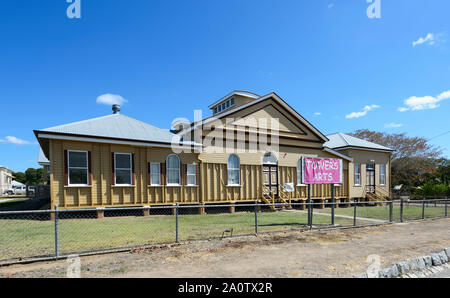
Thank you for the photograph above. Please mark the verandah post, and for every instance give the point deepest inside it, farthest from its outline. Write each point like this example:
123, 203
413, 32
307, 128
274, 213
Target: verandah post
354, 212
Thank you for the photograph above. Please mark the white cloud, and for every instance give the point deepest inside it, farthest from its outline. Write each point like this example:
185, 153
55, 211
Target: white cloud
430, 39
362, 113
317, 114
393, 125
14, 140
415, 103
111, 99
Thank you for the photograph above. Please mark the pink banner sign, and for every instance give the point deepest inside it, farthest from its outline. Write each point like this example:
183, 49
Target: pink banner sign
322, 170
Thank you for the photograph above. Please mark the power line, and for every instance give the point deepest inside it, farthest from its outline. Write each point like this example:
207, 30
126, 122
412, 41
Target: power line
439, 135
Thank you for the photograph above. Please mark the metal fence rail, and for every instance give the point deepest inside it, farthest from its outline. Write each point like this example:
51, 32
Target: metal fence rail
50, 234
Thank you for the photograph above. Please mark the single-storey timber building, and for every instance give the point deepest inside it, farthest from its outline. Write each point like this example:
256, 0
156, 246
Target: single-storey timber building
117, 161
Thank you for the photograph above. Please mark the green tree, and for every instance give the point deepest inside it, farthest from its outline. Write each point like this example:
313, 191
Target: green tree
31, 176
20, 177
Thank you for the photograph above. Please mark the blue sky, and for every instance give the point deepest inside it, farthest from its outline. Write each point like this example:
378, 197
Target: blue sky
167, 58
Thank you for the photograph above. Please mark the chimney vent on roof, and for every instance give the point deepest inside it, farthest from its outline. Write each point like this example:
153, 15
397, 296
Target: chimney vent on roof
116, 109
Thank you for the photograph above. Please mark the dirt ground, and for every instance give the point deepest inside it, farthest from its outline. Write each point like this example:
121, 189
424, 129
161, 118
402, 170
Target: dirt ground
331, 253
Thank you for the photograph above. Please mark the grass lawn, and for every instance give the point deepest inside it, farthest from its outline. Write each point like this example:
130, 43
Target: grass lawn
26, 238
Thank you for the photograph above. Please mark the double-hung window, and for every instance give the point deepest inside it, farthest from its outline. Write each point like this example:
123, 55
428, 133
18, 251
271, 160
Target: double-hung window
123, 168
173, 170
234, 173
155, 174
78, 167
191, 174
357, 174
382, 174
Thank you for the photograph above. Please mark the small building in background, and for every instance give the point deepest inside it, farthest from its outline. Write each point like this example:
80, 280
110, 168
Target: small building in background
6, 179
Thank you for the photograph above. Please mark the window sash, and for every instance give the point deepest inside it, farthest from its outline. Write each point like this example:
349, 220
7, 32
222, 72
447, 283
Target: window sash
234, 171
126, 172
382, 174
83, 170
191, 173
357, 176
155, 174
173, 171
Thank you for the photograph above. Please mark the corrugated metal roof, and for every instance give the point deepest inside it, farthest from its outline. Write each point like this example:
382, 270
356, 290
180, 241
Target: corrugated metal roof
115, 126
340, 140
42, 160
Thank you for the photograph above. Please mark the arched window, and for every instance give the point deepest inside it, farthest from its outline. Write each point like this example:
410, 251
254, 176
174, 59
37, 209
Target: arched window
270, 159
299, 172
173, 170
234, 170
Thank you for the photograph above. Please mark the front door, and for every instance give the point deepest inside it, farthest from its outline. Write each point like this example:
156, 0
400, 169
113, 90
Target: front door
270, 180
370, 181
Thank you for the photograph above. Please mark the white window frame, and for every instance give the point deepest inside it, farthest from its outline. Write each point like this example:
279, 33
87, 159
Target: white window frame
78, 168
354, 174
234, 169
123, 169
151, 173
167, 171
194, 175
383, 174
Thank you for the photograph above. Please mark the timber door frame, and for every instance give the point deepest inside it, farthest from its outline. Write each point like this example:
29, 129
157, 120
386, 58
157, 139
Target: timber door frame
370, 173
269, 169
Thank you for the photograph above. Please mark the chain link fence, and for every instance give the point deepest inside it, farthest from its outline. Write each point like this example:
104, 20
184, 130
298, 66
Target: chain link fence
50, 234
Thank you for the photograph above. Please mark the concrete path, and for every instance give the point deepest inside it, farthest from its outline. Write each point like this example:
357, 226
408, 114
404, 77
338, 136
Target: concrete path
341, 216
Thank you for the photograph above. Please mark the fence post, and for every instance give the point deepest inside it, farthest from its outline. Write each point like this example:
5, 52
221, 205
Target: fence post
354, 212
391, 208
256, 217
445, 202
401, 210
332, 204
423, 209
56, 231
176, 223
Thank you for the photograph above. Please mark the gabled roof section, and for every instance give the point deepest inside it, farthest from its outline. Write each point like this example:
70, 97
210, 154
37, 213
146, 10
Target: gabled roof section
272, 95
342, 141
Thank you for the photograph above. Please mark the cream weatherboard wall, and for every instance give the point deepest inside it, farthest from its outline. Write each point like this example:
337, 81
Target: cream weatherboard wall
102, 192
365, 157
